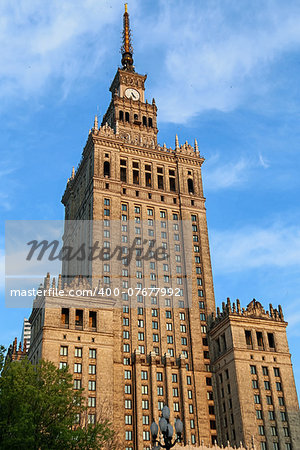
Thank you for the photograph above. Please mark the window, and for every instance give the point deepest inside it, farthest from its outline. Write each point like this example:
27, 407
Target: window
283, 416
160, 390
77, 384
92, 385
63, 350
260, 341
127, 389
175, 392
281, 401
92, 402
253, 370
202, 316
265, 371
77, 368
255, 384
259, 414
182, 328
128, 435
126, 348
256, 399
169, 326
188, 380
78, 352
276, 372
278, 386
176, 406
127, 375
146, 435
261, 430
271, 415
144, 375
269, 400
62, 365
170, 339
128, 419
184, 341
267, 385
91, 418
144, 389
286, 432
106, 169
145, 404
273, 431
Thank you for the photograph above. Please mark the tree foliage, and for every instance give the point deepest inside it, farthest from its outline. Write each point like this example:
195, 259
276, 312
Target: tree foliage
38, 409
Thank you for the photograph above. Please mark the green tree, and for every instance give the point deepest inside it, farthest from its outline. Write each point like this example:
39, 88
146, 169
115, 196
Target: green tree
38, 409
2, 357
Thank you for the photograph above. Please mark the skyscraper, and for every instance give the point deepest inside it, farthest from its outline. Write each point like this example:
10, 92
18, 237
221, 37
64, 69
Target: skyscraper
141, 339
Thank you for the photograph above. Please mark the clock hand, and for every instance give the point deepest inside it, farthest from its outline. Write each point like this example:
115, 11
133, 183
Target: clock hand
132, 95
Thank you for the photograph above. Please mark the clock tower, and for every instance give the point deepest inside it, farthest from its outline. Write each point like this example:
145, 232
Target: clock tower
129, 114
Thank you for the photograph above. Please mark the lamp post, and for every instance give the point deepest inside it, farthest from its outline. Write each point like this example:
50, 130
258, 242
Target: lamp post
166, 429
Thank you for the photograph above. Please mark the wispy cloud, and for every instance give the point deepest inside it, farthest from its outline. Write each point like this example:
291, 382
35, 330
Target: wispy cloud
217, 54
263, 162
276, 245
48, 41
220, 175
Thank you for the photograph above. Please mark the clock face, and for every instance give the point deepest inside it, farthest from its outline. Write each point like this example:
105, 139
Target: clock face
132, 94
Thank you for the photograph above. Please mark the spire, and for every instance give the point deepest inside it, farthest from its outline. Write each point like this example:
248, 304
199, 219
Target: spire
126, 49
176, 143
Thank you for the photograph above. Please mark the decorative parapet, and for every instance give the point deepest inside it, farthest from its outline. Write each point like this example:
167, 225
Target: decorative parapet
253, 310
214, 447
16, 353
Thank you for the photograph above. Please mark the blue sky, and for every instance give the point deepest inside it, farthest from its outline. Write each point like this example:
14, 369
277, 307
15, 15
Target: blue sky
224, 72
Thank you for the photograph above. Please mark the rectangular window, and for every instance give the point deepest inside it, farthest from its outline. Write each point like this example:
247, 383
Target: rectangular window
145, 420
260, 341
77, 368
265, 371
259, 414
160, 390
65, 317
144, 375
79, 318
63, 350
145, 404
128, 435
128, 419
92, 402
248, 338
127, 375
92, 385
256, 399
77, 384
253, 370
78, 352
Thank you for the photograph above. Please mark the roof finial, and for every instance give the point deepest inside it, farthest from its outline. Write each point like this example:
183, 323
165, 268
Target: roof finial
176, 143
126, 49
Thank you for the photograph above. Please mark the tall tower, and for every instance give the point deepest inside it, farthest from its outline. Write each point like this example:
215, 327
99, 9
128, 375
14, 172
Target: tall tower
135, 351
255, 393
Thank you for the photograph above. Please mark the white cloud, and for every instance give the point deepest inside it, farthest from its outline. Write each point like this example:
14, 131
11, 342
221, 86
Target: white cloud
220, 175
263, 162
276, 245
217, 53
40, 41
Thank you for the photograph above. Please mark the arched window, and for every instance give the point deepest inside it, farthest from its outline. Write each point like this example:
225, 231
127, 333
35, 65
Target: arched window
136, 117
127, 117
121, 115
106, 169
190, 186
144, 121
150, 122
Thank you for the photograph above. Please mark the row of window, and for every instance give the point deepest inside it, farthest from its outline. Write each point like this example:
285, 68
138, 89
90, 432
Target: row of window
275, 446
126, 117
77, 384
64, 350
259, 340
267, 385
265, 371
257, 400
271, 415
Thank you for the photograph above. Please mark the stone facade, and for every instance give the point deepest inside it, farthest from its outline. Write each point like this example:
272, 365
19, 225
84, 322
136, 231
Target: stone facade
135, 354
254, 387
